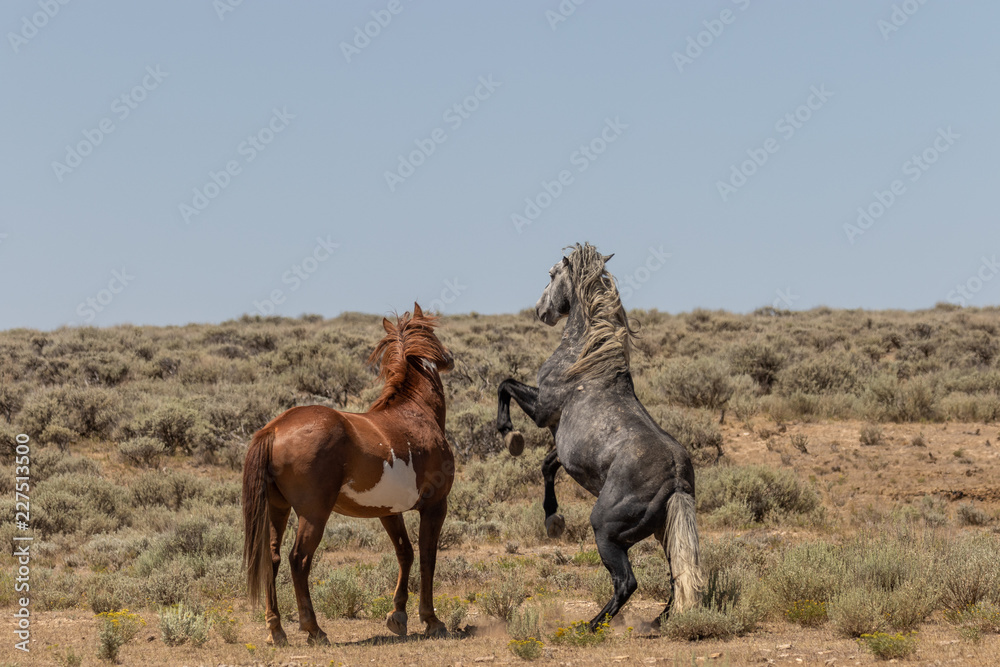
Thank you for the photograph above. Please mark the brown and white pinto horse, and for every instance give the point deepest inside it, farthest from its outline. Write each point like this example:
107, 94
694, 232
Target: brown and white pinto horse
381, 463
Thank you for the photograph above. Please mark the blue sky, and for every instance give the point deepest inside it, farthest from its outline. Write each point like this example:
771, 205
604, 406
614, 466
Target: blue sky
192, 161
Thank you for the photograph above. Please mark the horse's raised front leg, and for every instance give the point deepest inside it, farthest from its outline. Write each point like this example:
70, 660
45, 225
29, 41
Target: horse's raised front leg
309, 535
396, 528
526, 397
431, 520
554, 523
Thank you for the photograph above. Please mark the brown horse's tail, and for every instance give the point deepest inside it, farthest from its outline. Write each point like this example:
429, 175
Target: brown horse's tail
256, 536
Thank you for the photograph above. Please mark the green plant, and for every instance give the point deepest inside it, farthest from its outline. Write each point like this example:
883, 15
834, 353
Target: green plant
115, 629
451, 610
180, 624
224, 623
501, 600
579, 634
807, 613
526, 649
698, 623
141, 452
887, 647
342, 594
524, 623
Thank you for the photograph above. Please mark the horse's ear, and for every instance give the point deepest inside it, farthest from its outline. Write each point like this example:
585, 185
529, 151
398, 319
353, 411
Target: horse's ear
566, 261
607, 257
387, 325
417, 312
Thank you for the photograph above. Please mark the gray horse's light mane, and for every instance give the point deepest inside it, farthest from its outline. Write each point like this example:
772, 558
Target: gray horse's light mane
607, 340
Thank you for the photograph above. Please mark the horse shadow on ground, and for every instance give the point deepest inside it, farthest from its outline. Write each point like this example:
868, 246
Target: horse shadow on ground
387, 639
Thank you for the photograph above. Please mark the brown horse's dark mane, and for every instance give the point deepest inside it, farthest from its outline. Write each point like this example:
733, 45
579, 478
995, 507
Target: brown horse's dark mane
408, 337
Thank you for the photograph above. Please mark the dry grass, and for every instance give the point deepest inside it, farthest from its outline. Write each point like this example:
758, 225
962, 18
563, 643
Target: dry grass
138, 434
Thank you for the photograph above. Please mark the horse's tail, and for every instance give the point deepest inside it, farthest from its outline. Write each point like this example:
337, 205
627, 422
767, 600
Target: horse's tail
256, 535
681, 543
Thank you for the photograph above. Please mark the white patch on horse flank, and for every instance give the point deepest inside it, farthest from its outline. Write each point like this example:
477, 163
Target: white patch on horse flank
396, 489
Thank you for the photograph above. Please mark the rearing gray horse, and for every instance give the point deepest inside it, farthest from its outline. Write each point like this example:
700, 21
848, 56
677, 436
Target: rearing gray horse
643, 478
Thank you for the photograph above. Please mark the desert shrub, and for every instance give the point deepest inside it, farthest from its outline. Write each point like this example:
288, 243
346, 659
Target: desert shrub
170, 585
824, 374
108, 592
968, 572
888, 647
342, 594
578, 634
968, 514
807, 613
451, 610
502, 599
56, 589
332, 374
758, 491
526, 649
41, 410
698, 623
696, 430
173, 489
176, 425
141, 452
982, 618
104, 368
886, 398
524, 623
115, 629
698, 383
225, 624
73, 502
871, 436
808, 571
761, 360
180, 624
108, 553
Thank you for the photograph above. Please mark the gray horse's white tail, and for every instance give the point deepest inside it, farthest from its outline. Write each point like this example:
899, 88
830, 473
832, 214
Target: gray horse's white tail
681, 545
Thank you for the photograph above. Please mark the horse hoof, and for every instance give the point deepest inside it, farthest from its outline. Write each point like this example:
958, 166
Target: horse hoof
555, 525
396, 622
320, 639
277, 638
515, 443
436, 629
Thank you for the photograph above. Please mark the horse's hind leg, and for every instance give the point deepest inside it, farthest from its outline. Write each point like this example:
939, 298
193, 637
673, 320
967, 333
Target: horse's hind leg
306, 540
620, 519
396, 527
278, 518
431, 520
554, 523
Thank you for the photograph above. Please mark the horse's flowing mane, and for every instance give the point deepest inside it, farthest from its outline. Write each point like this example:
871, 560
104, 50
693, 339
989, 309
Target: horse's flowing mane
608, 338
407, 337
